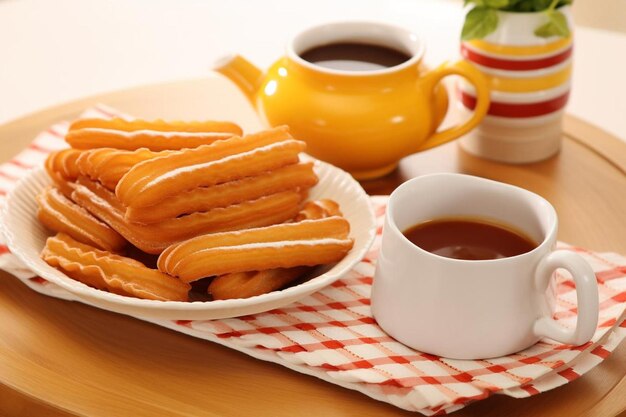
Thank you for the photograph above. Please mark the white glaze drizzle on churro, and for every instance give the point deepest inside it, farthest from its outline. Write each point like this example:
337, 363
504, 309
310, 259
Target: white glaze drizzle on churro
279, 244
155, 133
207, 165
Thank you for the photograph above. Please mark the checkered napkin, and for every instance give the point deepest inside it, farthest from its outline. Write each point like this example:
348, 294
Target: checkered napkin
333, 336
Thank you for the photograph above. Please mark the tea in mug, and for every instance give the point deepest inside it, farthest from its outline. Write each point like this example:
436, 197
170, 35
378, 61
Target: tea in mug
354, 56
469, 239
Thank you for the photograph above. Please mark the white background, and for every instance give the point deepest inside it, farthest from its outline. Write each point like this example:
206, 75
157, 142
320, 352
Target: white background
55, 51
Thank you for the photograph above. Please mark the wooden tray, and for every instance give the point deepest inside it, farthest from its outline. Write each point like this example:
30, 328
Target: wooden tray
64, 358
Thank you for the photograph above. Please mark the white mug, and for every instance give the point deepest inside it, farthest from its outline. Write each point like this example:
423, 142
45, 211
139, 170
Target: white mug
472, 309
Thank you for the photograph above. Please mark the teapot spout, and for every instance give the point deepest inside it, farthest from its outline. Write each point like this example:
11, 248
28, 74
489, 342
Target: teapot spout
243, 73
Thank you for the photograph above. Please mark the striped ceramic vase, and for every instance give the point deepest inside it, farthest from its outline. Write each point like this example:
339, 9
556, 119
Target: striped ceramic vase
529, 78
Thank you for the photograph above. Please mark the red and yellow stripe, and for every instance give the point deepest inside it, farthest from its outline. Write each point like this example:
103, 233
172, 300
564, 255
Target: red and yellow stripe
518, 110
521, 50
515, 64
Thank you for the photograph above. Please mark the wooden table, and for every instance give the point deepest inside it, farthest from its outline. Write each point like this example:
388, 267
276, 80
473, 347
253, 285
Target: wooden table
64, 358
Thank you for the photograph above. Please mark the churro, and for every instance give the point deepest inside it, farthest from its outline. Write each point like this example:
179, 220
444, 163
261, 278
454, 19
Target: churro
63, 162
106, 271
318, 209
154, 238
160, 125
306, 243
248, 284
61, 168
291, 177
158, 179
261, 256
332, 227
109, 165
60, 214
156, 136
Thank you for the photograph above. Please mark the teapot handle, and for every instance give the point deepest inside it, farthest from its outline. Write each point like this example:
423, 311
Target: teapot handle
475, 77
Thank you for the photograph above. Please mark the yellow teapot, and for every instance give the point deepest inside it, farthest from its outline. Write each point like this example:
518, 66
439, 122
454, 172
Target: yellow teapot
362, 121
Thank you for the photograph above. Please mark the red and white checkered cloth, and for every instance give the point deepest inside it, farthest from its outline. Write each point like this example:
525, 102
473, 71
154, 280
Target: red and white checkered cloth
332, 335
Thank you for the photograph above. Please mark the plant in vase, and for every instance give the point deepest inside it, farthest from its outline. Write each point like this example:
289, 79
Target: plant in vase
482, 18
524, 49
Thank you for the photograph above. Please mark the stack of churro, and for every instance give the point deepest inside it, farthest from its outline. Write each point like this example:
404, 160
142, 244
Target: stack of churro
209, 201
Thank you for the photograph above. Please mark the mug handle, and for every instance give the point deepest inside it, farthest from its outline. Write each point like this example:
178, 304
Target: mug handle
478, 80
586, 294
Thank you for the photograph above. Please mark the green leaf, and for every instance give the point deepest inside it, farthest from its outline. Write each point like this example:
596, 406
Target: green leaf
535, 5
496, 4
479, 22
512, 5
556, 26
525, 6
539, 5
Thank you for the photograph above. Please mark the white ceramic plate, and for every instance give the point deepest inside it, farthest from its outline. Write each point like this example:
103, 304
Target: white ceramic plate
26, 238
